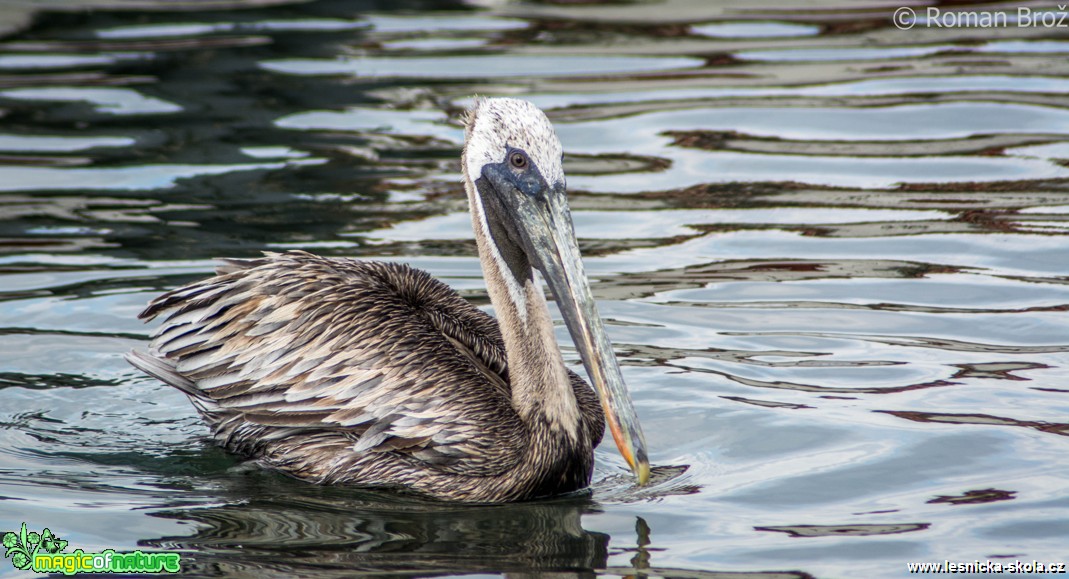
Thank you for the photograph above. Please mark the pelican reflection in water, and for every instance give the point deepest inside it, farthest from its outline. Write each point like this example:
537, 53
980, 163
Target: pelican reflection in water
341, 371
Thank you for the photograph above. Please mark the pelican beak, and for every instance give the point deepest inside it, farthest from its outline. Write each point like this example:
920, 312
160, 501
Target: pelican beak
549, 238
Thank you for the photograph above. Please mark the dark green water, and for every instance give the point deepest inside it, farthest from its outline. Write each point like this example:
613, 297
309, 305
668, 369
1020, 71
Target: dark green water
832, 254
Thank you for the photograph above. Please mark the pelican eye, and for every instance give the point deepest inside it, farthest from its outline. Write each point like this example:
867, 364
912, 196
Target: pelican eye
518, 160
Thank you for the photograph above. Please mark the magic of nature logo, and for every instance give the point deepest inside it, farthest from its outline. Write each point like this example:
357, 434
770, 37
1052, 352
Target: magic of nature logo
44, 553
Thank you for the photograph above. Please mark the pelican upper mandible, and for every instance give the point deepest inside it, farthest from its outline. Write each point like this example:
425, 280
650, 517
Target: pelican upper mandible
344, 371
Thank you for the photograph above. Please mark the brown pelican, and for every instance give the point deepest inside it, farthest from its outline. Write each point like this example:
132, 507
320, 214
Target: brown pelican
340, 371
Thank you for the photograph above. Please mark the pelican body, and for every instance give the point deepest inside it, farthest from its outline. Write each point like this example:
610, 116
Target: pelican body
343, 371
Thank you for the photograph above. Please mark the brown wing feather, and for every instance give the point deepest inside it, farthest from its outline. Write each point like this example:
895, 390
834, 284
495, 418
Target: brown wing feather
380, 353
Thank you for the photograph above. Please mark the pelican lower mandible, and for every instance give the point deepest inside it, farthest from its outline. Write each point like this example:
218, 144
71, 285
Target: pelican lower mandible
344, 371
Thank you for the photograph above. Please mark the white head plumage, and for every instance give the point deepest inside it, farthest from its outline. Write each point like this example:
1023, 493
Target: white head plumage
495, 124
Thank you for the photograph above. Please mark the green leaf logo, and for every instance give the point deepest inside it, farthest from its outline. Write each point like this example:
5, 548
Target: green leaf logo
20, 547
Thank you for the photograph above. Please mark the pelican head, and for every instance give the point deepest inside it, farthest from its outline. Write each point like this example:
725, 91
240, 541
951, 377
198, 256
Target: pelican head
513, 164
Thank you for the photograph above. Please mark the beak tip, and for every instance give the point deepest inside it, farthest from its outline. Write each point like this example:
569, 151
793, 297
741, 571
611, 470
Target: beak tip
640, 465
642, 472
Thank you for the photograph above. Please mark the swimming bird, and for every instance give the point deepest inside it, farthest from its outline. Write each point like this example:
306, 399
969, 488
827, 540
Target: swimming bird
345, 371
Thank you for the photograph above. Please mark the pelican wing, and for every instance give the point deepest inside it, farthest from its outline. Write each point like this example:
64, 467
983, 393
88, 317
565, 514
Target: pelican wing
381, 353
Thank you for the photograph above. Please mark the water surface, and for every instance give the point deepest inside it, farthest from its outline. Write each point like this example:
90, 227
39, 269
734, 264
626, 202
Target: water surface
832, 256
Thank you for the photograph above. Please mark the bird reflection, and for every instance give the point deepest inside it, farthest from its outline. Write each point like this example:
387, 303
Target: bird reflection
303, 530
265, 525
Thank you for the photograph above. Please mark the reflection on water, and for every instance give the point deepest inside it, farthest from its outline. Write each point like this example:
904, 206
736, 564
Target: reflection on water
287, 528
832, 255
